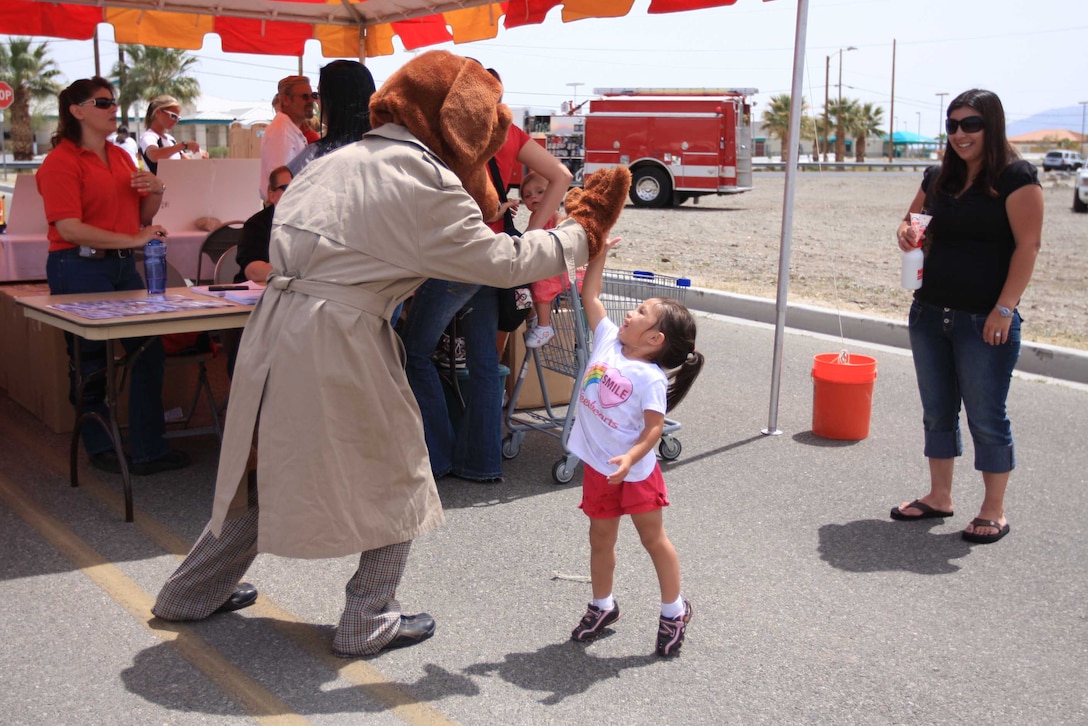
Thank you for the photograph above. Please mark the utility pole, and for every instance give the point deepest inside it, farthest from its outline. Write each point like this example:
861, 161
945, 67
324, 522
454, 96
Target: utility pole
919, 122
827, 104
840, 142
891, 113
940, 122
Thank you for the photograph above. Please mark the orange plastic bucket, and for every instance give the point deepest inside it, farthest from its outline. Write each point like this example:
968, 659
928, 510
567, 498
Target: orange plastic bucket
842, 396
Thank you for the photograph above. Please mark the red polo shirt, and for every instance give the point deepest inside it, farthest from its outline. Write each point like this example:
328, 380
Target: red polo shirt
75, 184
507, 159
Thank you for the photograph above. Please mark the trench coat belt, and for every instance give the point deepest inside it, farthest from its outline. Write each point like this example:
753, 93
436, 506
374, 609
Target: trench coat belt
351, 295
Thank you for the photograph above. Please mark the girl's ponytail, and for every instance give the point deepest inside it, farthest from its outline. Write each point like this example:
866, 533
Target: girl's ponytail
678, 355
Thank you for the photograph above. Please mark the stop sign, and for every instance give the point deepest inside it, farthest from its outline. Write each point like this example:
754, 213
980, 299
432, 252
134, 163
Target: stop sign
7, 94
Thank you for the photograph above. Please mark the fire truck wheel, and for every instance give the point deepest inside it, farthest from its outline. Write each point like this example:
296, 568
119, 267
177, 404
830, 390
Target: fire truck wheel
650, 187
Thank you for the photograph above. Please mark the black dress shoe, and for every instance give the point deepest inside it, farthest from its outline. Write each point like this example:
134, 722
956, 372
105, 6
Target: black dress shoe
242, 597
413, 629
107, 461
173, 460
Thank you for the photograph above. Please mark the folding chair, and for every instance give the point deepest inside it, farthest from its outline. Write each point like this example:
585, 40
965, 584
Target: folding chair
199, 357
218, 241
226, 267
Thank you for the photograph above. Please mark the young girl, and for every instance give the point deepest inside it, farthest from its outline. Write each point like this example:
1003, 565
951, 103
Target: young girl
638, 371
544, 291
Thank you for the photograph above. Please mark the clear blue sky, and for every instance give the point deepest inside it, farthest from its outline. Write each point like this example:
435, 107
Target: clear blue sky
1032, 54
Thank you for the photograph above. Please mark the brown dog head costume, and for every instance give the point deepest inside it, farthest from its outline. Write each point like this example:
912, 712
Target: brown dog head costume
452, 105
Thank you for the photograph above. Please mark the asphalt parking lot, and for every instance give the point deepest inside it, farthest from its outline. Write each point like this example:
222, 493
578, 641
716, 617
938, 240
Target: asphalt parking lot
811, 605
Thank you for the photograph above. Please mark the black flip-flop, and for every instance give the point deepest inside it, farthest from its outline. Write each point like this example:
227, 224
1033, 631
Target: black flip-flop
928, 512
986, 538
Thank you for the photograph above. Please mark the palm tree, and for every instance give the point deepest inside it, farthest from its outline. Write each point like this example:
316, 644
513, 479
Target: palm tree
151, 72
844, 119
776, 120
31, 74
868, 122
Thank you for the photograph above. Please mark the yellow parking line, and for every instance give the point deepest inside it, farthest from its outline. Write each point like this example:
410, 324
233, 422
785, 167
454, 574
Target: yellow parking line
377, 686
258, 702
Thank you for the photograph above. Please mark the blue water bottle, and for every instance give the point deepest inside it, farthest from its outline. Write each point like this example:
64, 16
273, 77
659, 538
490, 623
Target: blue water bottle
155, 267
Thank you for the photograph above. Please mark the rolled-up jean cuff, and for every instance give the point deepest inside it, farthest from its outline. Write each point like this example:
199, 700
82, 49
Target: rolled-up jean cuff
996, 458
943, 444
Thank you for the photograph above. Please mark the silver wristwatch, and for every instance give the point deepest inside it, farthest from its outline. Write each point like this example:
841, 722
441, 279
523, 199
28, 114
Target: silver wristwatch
1005, 312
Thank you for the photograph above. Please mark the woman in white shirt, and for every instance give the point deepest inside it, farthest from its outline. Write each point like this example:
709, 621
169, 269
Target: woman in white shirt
156, 144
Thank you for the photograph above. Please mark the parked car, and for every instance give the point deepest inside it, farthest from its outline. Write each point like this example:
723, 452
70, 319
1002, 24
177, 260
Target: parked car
1080, 191
1062, 161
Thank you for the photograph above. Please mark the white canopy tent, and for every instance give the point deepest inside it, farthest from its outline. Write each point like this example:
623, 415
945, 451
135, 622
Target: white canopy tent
365, 28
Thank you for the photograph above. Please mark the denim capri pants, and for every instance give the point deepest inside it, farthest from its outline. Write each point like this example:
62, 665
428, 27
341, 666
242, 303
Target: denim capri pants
954, 364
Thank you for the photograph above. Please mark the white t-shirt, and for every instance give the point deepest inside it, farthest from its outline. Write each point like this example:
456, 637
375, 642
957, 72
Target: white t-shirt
614, 393
129, 145
281, 142
150, 138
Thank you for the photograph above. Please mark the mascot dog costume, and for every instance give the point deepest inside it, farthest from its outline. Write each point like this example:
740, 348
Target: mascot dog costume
356, 233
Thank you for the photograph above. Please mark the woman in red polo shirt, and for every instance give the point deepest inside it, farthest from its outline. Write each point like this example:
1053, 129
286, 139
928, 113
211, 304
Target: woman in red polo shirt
99, 209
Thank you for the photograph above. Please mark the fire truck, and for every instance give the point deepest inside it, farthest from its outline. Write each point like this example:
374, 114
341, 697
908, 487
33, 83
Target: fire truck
679, 143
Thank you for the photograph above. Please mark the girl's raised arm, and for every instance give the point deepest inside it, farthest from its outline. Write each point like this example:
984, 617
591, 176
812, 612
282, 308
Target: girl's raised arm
591, 286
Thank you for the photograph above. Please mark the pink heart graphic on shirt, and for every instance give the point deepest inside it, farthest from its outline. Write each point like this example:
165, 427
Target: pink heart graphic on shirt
613, 389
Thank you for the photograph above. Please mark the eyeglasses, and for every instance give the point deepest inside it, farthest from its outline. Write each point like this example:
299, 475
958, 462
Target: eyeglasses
173, 116
307, 96
280, 188
102, 103
970, 125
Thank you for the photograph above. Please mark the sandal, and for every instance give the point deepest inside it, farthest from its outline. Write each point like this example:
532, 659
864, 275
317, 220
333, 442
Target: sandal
928, 512
985, 538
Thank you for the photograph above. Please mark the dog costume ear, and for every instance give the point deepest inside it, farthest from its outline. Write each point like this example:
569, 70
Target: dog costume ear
451, 104
598, 204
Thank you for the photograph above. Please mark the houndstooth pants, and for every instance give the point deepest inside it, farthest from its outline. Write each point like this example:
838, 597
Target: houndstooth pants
211, 571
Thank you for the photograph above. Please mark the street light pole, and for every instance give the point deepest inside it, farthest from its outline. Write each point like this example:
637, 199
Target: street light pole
919, 122
1083, 105
839, 140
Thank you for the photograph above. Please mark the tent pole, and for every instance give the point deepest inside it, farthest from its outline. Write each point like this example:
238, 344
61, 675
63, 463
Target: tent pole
796, 102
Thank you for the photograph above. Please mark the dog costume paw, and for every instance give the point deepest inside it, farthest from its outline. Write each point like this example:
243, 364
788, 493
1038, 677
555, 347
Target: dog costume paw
597, 205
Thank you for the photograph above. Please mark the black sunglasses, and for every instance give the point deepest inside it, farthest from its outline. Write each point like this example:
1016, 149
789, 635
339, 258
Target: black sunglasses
308, 96
280, 188
102, 103
970, 125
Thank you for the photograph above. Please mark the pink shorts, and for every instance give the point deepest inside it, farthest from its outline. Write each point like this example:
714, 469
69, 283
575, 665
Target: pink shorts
546, 290
601, 500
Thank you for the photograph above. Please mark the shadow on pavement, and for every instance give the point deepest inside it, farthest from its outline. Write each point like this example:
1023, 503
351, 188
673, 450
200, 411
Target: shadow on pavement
871, 545
564, 669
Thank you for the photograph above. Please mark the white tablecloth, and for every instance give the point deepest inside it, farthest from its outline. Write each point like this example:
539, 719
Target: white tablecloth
22, 256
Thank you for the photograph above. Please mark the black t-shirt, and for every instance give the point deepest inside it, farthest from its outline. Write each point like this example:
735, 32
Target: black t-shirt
970, 242
253, 247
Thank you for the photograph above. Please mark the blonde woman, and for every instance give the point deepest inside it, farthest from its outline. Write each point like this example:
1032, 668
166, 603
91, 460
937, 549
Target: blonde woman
156, 144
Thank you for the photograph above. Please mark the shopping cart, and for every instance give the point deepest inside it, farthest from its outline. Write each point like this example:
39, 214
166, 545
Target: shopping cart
567, 354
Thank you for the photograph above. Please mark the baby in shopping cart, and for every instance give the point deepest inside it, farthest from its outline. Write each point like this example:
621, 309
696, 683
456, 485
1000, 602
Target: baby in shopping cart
638, 371
544, 291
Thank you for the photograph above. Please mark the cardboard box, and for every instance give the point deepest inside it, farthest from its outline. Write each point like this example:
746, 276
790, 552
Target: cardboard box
559, 386
34, 366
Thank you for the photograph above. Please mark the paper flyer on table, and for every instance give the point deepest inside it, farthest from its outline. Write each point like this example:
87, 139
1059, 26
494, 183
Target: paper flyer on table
106, 309
247, 293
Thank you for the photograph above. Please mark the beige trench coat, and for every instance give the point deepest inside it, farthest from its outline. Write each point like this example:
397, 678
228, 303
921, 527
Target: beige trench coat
342, 462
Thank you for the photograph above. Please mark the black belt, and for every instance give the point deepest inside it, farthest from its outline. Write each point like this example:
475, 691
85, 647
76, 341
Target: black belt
102, 254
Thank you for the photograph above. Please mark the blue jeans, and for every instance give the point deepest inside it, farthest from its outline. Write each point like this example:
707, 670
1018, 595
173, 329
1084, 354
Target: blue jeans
954, 364
475, 451
67, 272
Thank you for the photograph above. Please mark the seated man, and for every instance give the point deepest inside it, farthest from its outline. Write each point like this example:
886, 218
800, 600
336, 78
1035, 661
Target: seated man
253, 249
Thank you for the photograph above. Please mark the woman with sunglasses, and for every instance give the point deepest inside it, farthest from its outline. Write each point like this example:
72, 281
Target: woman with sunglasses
99, 208
163, 114
980, 248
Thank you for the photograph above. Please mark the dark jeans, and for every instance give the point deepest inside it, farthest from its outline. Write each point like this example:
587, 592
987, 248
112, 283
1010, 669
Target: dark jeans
953, 363
67, 273
475, 451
